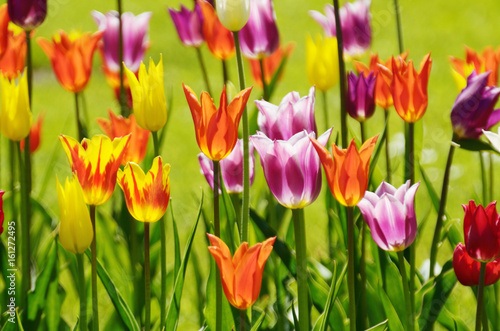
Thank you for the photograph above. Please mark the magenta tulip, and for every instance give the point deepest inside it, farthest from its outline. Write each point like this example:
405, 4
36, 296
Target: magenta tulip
27, 14
188, 24
360, 101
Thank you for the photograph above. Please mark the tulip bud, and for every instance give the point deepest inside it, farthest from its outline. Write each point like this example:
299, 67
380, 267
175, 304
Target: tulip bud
27, 14
15, 117
233, 14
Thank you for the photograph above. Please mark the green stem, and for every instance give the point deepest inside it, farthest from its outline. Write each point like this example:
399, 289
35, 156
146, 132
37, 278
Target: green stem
218, 284
25, 248
243, 326
480, 290
93, 260
134, 261
483, 178
265, 88
78, 121
492, 178
203, 70
82, 292
245, 213
362, 130
225, 74
350, 271
412, 281
325, 109
29, 65
402, 269
236, 201
362, 273
442, 207
387, 154
410, 152
147, 278
399, 27
123, 98
300, 251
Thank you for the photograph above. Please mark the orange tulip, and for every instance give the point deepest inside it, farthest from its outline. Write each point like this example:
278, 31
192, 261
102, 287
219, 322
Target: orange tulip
270, 63
487, 61
4, 25
347, 172
119, 126
95, 161
35, 133
241, 275
71, 58
216, 129
219, 39
12, 61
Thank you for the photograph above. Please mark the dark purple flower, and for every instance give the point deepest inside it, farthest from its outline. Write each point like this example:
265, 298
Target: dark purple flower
189, 25
360, 100
27, 14
473, 109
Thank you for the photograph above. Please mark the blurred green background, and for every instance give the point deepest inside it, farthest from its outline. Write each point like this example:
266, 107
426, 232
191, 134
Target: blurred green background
441, 27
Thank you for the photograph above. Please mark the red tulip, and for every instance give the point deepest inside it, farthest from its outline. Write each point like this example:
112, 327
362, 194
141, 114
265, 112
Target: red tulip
467, 269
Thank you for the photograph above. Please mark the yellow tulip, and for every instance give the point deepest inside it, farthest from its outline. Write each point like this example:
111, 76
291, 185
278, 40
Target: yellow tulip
75, 230
233, 14
322, 62
148, 96
15, 117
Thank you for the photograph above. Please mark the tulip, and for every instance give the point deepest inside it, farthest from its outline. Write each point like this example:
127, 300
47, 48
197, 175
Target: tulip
119, 126
71, 58
1, 211
487, 61
355, 25
260, 36
15, 115
146, 195
360, 101
494, 138
231, 169
4, 26
233, 14
482, 232
188, 25
291, 167
27, 14
220, 40
473, 109
390, 215
467, 269
75, 230
13, 59
148, 96
35, 134
322, 63
216, 129
241, 275
271, 64
95, 162
293, 115
347, 172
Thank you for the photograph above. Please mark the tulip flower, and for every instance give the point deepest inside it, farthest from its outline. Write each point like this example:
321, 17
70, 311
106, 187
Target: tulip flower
13, 59
390, 215
71, 58
355, 25
231, 168
347, 171
148, 96
27, 14
360, 101
35, 134
270, 63
4, 26
241, 274
216, 129
146, 195
482, 231
494, 138
119, 126
293, 115
260, 36
220, 40
467, 269
322, 63
487, 61
75, 230
15, 115
95, 161
291, 167
473, 109
1, 211
188, 25
233, 14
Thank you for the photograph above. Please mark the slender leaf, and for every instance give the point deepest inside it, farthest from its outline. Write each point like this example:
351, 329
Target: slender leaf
376, 154
177, 246
259, 321
379, 327
475, 145
394, 321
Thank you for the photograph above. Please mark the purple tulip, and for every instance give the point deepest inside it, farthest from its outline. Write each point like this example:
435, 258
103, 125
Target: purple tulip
27, 14
231, 168
292, 167
360, 99
294, 114
355, 22
473, 108
189, 25
260, 36
390, 215
135, 43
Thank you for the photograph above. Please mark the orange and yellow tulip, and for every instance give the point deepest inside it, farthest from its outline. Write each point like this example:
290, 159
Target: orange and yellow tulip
12, 61
347, 171
241, 274
95, 161
146, 195
487, 61
216, 129
270, 64
219, 39
71, 57
119, 126
35, 133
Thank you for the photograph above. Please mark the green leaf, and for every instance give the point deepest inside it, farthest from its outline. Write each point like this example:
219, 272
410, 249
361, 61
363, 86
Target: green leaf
258, 323
376, 154
452, 322
177, 246
75, 328
55, 298
393, 319
175, 303
379, 327
475, 145
295, 319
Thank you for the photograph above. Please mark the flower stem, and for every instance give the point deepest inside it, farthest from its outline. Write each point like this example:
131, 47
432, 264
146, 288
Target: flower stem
399, 27
410, 152
492, 178
82, 292
480, 290
203, 70
362, 273
29, 65
483, 178
78, 122
225, 74
402, 269
264, 84
350, 271
325, 109
147, 277
362, 130
245, 212
123, 99
387, 154
93, 260
243, 326
218, 284
300, 251
442, 207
